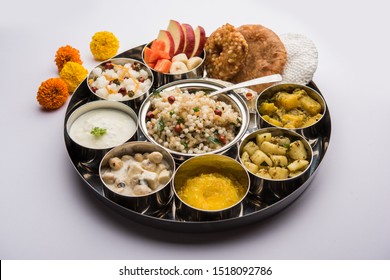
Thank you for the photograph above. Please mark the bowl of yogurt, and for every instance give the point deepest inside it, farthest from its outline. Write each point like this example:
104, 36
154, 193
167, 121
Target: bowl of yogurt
96, 127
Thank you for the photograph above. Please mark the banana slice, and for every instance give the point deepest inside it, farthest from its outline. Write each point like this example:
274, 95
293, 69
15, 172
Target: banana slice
180, 57
178, 67
194, 62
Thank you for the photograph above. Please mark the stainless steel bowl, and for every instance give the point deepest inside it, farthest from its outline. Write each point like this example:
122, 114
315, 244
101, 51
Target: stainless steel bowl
310, 132
165, 78
278, 187
205, 164
133, 102
155, 203
87, 156
193, 85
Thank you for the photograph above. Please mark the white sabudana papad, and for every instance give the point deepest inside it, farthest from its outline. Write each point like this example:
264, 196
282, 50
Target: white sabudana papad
302, 59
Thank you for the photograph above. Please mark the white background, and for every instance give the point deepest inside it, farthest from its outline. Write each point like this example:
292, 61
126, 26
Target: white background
47, 212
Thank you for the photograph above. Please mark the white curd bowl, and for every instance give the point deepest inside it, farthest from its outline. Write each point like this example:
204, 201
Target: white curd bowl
96, 127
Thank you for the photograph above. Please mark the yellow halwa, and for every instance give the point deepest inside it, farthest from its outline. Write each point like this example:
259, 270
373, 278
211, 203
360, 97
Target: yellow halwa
211, 191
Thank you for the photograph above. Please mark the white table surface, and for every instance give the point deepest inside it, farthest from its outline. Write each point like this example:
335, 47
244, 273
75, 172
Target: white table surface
47, 212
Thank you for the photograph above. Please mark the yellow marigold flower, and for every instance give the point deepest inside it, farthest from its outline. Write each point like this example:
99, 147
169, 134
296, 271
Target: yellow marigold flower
73, 74
104, 45
65, 54
52, 93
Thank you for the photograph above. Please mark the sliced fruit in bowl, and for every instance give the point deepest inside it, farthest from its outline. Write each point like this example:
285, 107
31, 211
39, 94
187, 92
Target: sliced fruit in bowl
176, 50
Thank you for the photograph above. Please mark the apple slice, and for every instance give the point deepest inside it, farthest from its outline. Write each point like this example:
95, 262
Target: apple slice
168, 39
200, 41
189, 36
177, 33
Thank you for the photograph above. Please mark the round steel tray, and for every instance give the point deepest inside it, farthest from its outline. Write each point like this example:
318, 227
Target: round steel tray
254, 208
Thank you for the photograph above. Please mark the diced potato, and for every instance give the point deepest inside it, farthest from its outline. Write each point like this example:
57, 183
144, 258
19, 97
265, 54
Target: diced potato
251, 148
282, 141
292, 121
272, 149
132, 180
297, 150
312, 120
266, 108
150, 178
164, 177
245, 157
279, 160
287, 100
263, 173
272, 121
161, 167
259, 157
261, 137
251, 167
134, 169
278, 172
310, 105
298, 165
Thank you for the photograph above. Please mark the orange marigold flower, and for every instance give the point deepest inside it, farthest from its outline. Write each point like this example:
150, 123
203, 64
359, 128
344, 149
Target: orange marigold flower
65, 54
52, 93
73, 74
104, 45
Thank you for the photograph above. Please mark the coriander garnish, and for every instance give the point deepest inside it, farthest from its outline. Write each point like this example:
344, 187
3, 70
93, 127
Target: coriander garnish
98, 131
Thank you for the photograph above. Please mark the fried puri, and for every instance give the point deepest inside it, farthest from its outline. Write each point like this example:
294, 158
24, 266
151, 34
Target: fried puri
266, 55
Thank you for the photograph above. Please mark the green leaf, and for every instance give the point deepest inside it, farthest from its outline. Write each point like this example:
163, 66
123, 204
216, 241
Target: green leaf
196, 109
160, 124
287, 146
185, 144
98, 131
215, 140
156, 93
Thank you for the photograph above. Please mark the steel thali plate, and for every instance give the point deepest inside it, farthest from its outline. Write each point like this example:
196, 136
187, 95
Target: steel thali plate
254, 208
